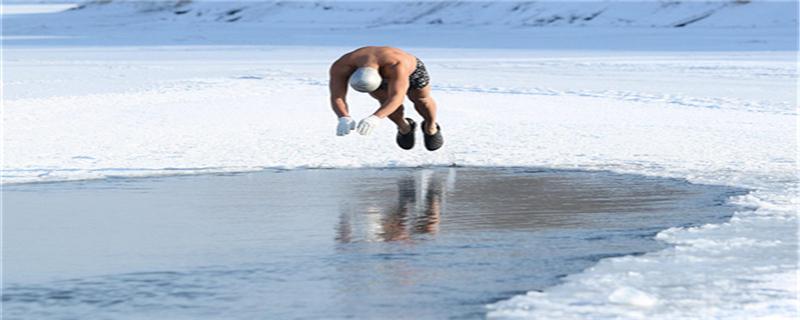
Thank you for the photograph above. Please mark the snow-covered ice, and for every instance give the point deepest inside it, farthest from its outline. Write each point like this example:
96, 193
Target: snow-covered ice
714, 103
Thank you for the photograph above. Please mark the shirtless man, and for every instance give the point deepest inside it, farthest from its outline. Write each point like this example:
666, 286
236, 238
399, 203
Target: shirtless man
388, 75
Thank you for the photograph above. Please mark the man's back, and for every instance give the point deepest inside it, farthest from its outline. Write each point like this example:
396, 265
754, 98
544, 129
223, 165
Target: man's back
378, 57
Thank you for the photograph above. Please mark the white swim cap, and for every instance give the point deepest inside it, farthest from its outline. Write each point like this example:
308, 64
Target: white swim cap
365, 79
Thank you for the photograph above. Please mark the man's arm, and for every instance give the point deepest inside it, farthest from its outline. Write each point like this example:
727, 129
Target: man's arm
398, 86
338, 88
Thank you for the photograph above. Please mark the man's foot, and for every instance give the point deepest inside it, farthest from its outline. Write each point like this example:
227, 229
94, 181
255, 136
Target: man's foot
433, 141
430, 130
406, 140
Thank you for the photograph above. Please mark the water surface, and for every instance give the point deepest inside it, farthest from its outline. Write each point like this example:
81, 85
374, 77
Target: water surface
368, 243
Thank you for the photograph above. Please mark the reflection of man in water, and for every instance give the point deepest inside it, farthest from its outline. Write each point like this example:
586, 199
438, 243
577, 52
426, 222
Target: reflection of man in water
398, 224
428, 222
388, 75
403, 219
393, 224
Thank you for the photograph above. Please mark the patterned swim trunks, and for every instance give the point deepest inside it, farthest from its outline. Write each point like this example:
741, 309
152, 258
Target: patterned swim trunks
417, 80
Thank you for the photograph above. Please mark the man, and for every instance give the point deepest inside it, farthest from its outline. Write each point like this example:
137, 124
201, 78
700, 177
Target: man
388, 75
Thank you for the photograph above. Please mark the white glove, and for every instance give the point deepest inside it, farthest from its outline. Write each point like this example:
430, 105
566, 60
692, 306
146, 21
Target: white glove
345, 125
366, 126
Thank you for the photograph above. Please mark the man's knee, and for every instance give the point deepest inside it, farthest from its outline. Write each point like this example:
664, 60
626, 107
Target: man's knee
421, 101
397, 114
379, 99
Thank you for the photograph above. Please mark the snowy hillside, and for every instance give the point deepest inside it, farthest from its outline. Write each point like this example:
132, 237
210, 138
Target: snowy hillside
613, 25
730, 13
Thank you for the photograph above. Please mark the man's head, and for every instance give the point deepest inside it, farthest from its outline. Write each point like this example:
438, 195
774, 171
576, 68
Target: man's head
365, 79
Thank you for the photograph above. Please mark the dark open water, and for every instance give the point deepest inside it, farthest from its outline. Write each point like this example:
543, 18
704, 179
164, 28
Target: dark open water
372, 243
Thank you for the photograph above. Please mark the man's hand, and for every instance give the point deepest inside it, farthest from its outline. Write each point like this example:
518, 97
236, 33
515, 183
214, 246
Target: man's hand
366, 126
345, 125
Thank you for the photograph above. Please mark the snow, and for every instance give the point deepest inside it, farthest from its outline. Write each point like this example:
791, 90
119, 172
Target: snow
632, 296
134, 89
34, 8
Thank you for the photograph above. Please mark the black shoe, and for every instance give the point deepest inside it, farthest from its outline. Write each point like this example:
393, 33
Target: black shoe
432, 141
406, 141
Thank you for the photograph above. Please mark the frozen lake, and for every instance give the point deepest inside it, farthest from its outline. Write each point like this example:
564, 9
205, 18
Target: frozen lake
119, 90
362, 243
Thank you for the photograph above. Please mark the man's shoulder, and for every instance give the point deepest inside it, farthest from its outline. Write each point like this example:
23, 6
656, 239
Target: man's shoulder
341, 66
401, 65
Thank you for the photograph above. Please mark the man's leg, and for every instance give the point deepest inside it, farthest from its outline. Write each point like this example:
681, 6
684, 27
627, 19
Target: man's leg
425, 106
397, 115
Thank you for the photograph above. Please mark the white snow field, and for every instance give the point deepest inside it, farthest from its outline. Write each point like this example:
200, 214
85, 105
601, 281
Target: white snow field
144, 88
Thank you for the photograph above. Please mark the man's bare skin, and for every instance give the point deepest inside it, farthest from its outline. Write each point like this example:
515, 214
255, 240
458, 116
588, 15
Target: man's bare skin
395, 66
